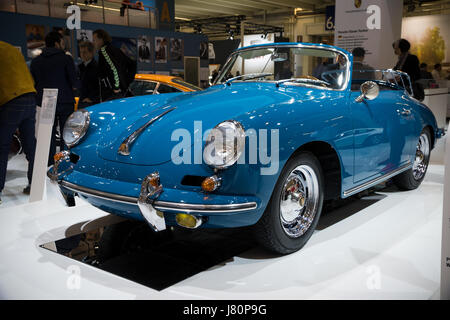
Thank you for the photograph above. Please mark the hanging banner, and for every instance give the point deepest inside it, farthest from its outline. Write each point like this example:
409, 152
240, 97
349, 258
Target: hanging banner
166, 14
371, 24
329, 17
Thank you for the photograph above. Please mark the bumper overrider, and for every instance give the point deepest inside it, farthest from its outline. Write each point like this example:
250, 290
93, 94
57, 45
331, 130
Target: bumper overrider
189, 215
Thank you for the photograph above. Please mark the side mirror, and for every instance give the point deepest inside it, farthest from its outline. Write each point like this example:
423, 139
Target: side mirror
369, 91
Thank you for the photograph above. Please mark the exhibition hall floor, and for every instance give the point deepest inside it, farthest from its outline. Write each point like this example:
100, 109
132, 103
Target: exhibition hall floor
383, 246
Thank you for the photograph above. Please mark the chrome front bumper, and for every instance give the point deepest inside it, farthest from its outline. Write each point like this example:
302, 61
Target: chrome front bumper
150, 207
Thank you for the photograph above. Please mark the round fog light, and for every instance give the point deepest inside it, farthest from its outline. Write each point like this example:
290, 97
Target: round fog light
187, 220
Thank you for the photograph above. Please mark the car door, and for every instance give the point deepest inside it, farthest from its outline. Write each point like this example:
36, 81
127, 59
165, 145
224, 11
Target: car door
380, 135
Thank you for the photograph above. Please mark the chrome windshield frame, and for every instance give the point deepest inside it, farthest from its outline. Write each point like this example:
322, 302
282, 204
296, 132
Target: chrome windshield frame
347, 56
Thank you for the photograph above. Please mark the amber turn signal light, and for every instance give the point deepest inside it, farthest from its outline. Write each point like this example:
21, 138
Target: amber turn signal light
58, 156
211, 183
154, 181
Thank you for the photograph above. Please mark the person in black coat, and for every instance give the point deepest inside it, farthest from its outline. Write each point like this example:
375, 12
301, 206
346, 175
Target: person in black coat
53, 68
116, 70
88, 76
409, 64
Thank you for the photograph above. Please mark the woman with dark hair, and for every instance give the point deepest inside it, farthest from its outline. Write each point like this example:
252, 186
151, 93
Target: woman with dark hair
116, 71
409, 64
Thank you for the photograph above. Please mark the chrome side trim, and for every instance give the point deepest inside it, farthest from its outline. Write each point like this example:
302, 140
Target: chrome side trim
378, 180
124, 148
188, 207
161, 205
99, 194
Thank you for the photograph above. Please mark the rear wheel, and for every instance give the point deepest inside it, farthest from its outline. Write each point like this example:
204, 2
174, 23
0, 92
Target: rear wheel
412, 178
295, 206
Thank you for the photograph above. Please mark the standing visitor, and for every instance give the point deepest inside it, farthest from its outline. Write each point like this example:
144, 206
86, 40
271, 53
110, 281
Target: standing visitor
54, 69
17, 109
409, 64
88, 75
116, 70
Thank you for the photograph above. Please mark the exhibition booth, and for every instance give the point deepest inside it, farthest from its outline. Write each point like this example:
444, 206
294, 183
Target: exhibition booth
280, 172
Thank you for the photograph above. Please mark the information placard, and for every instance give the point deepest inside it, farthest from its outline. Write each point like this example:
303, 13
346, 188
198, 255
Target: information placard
44, 133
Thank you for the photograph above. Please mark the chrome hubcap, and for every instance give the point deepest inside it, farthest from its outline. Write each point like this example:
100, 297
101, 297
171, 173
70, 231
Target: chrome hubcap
422, 153
299, 201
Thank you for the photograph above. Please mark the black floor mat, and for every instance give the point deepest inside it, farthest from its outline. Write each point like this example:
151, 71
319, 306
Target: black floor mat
180, 258
160, 261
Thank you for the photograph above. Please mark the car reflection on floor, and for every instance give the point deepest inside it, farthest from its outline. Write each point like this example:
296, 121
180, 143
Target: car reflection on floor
130, 249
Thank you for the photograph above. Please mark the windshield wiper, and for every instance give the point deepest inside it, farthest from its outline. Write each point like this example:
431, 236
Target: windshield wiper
302, 80
248, 76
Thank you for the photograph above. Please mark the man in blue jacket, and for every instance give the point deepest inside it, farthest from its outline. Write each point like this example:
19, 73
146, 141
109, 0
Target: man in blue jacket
54, 69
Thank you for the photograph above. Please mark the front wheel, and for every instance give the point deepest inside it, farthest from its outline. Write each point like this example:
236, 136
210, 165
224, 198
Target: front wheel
412, 178
295, 206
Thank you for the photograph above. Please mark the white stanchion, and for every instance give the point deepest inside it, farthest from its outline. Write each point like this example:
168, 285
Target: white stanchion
445, 264
44, 136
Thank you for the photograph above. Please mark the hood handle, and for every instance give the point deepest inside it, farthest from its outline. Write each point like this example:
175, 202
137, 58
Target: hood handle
124, 148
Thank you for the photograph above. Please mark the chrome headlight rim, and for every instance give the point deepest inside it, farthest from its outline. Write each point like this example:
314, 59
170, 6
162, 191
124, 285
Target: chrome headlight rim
82, 132
239, 134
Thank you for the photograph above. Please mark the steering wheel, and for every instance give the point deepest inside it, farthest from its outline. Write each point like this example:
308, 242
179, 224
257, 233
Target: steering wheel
332, 75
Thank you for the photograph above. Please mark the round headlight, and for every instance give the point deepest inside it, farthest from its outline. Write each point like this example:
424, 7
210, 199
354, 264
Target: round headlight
76, 127
224, 144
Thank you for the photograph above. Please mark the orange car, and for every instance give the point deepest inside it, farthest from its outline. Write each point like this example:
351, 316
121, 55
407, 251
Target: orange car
145, 84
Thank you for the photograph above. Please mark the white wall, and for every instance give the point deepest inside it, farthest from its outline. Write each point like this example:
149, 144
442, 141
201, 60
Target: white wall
255, 65
354, 29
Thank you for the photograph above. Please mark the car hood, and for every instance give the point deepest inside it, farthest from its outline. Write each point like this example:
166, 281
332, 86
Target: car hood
186, 113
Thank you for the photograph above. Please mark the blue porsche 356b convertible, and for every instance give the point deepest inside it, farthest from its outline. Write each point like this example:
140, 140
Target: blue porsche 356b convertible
298, 126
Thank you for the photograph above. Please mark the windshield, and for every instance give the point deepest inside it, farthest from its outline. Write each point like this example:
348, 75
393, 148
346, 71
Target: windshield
292, 65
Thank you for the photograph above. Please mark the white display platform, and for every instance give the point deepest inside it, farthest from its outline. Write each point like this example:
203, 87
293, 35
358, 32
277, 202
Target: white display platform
388, 250
436, 100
